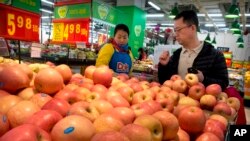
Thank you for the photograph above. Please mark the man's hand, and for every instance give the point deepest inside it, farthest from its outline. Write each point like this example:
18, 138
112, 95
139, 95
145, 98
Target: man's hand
164, 58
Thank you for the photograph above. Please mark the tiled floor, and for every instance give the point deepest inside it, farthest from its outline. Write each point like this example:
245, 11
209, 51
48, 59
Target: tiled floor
247, 111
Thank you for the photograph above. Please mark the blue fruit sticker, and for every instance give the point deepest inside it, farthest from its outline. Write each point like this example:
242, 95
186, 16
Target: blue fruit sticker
69, 130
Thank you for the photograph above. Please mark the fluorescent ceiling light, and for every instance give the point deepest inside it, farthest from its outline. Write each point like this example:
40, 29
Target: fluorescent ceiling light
247, 25
47, 17
151, 23
154, 5
48, 2
210, 15
155, 15
218, 25
47, 11
167, 24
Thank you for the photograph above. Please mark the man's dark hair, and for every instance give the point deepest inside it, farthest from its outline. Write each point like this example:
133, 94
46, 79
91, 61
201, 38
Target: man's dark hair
189, 17
121, 27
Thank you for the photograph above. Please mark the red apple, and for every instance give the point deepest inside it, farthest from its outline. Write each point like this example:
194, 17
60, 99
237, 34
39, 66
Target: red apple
222, 109
26, 132
126, 115
68, 95
140, 97
168, 83
207, 136
92, 96
19, 113
59, 105
179, 86
73, 128
167, 104
213, 89
3, 93
122, 76
88, 73
81, 93
140, 109
183, 135
222, 97
99, 88
136, 87
136, 132
155, 106
192, 119
178, 108
154, 83
234, 103
188, 101
71, 87
7, 102
208, 102
196, 91
191, 79
107, 122
4, 124
175, 96
45, 119
152, 124
219, 118
169, 123
112, 93
165, 88
211, 127
40, 99
175, 77
103, 75
102, 106
27, 93
87, 85
84, 109
126, 92
110, 136
118, 101
217, 123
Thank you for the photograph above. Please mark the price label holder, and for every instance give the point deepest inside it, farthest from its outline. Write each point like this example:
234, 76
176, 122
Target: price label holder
36, 50
70, 30
19, 24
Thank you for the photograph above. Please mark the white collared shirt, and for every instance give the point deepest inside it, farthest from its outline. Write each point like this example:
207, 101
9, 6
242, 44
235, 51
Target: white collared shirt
186, 60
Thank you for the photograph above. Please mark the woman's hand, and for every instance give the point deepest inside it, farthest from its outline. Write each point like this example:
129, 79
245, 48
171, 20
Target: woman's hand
164, 58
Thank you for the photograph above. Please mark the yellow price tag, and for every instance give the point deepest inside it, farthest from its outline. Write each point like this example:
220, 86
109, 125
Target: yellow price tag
58, 31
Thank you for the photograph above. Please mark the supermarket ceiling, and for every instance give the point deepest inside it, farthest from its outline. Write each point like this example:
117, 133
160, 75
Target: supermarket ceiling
211, 13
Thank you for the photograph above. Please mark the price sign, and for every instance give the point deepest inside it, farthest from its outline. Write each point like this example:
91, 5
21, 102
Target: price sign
71, 31
18, 24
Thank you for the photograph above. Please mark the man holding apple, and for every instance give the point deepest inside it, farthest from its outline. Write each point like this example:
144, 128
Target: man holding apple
209, 62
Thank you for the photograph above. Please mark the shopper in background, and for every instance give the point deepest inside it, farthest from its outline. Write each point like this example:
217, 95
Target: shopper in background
200, 55
142, 54
115, 53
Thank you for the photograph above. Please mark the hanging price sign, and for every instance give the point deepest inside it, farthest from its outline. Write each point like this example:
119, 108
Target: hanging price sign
18, 24
70, 31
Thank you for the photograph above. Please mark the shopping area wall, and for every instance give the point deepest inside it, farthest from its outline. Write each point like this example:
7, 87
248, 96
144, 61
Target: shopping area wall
229, 40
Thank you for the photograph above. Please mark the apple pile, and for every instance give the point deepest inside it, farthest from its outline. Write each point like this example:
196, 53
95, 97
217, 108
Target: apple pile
53, 104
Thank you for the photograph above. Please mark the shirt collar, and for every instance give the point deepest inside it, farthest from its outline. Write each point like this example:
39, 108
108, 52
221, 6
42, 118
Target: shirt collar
196, 49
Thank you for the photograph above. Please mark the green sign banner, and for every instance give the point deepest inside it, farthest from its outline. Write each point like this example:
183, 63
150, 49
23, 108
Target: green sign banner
7, 2
72, 11
104, 12
136, 21
29, 5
